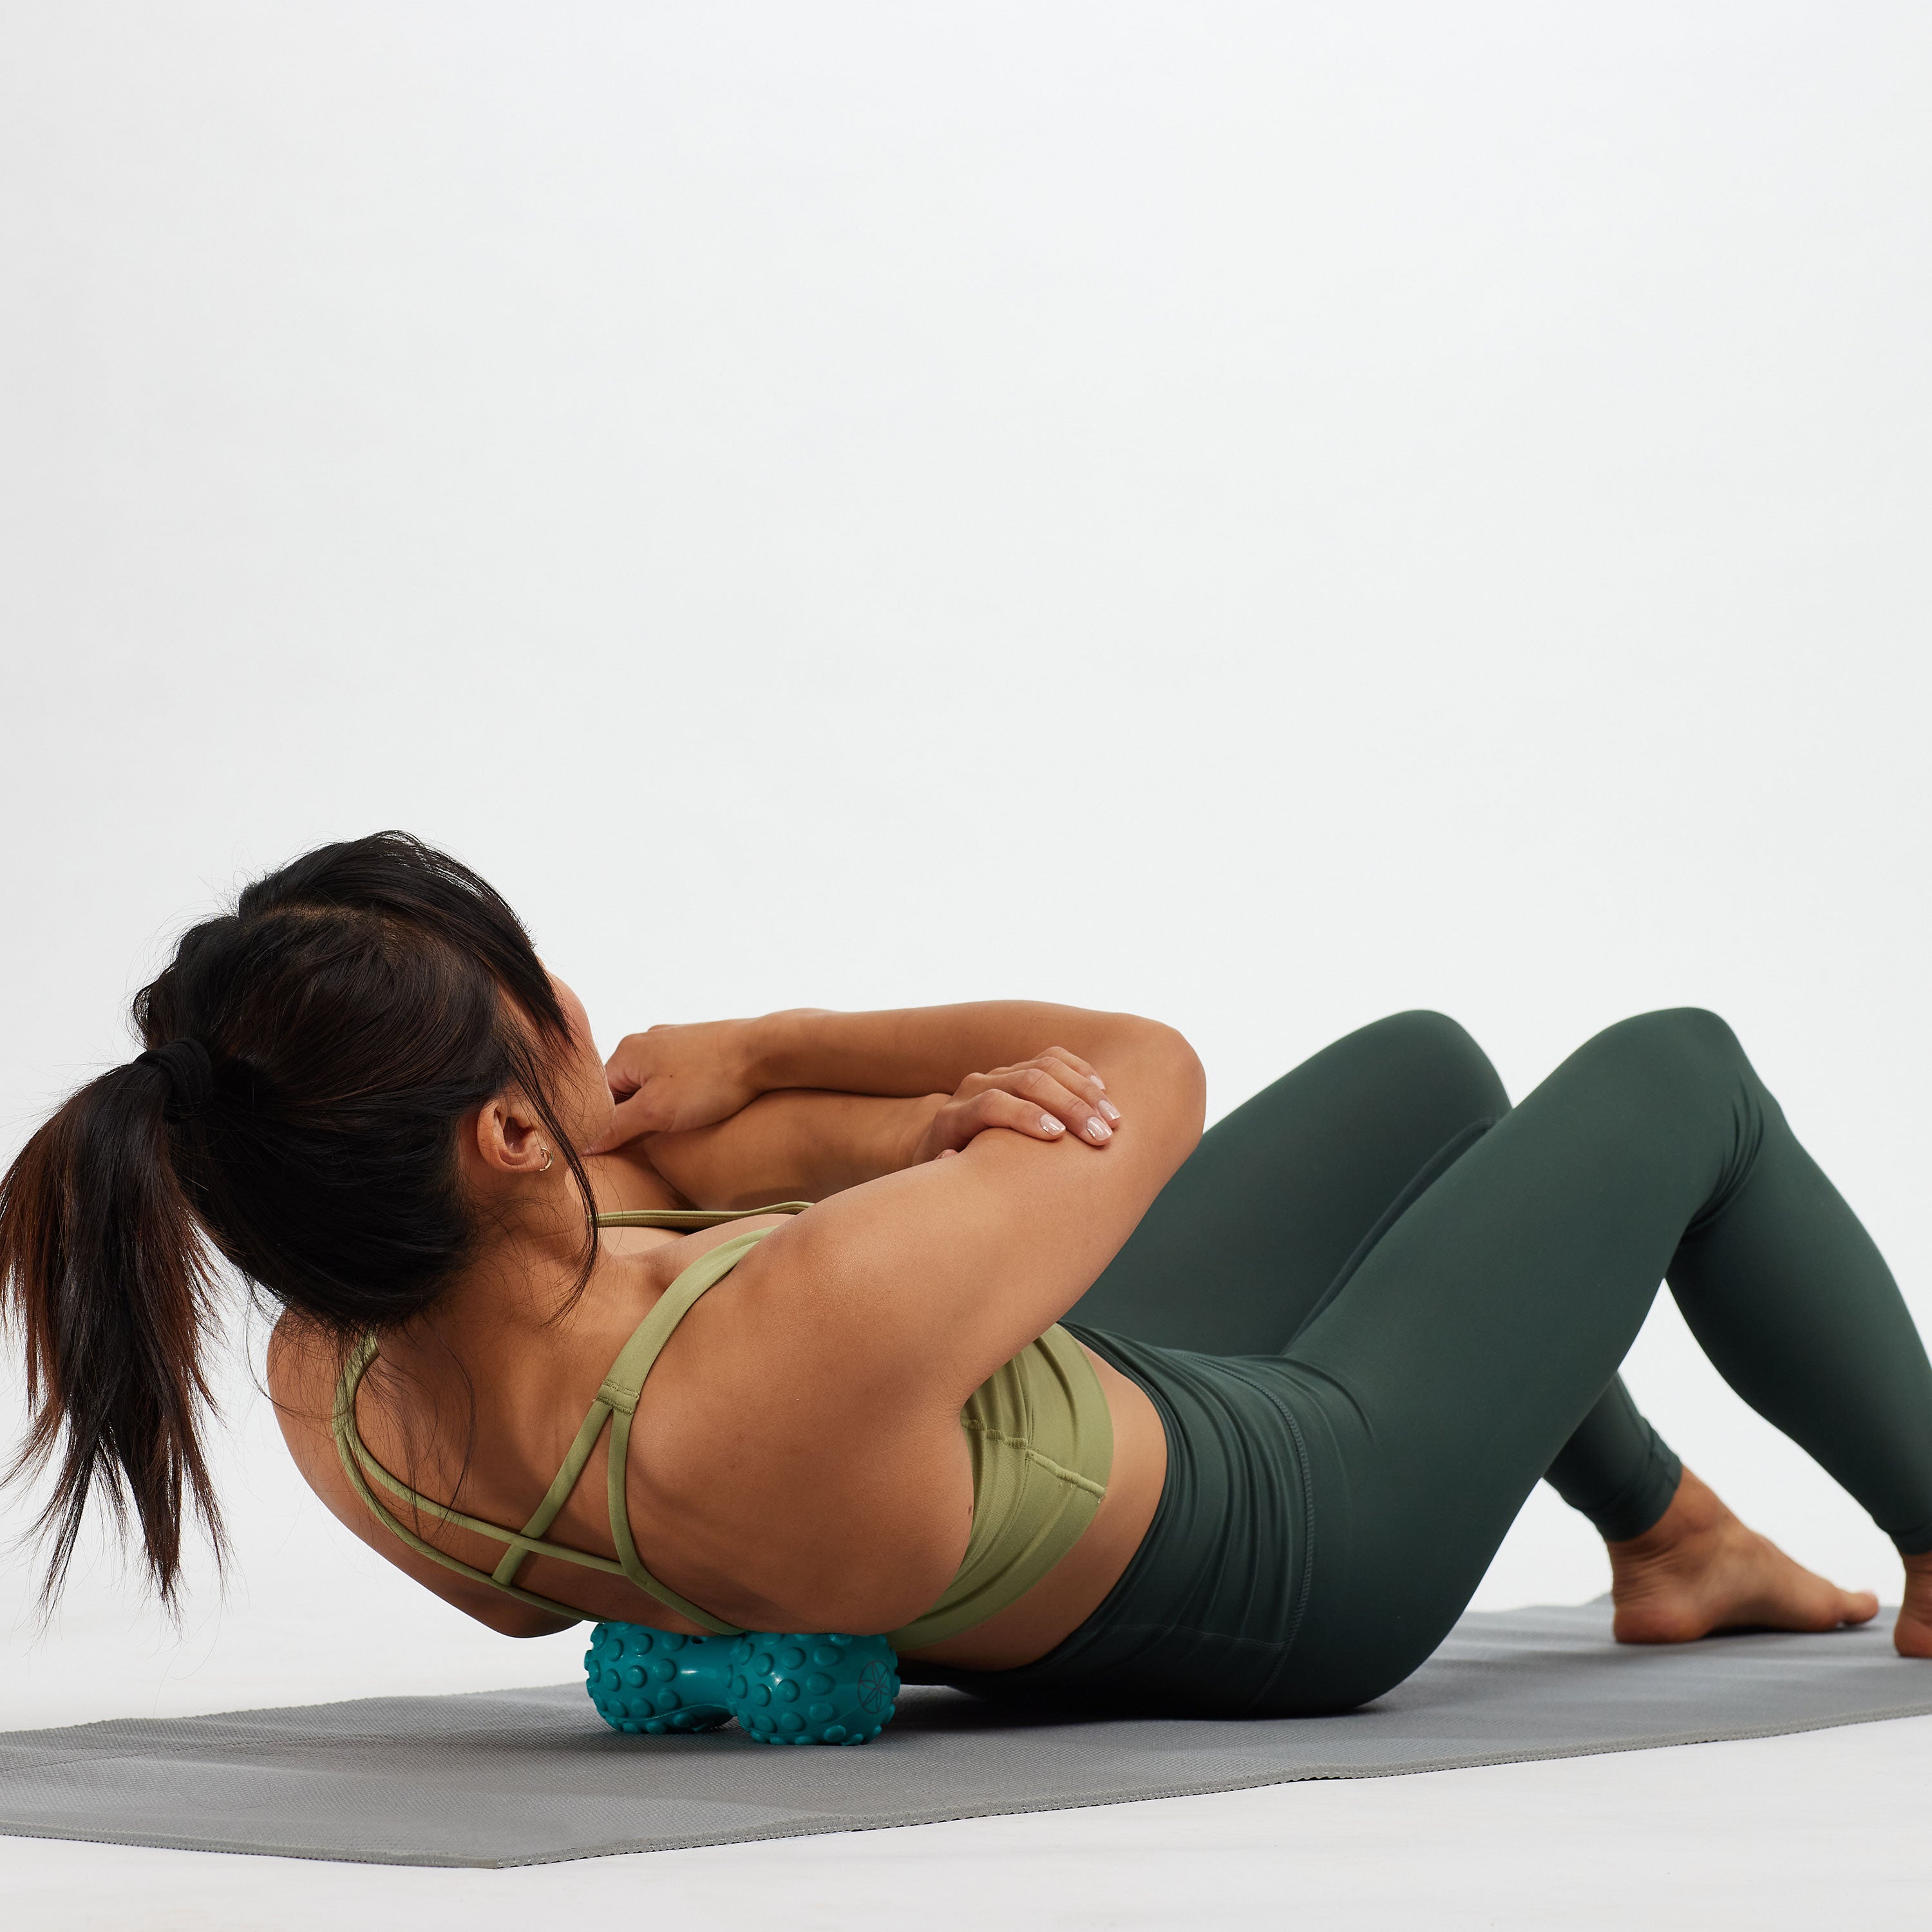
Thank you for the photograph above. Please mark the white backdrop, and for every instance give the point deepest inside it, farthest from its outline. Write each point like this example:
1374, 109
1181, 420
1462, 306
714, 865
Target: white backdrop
1262, 515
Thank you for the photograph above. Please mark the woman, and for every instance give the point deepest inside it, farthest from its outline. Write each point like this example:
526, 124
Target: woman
1310, 1369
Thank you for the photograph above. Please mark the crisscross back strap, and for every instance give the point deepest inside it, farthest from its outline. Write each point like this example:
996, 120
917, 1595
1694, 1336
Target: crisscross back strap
616, 1404
360, 1464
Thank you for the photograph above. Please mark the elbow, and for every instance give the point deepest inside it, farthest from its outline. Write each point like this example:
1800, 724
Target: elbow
507, 1616
514, 1619
1169, 1067
1188, 1079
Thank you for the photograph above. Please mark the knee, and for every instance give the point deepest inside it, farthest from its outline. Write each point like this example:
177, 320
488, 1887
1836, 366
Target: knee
1678, 1044
1427, 1031
1436, 1052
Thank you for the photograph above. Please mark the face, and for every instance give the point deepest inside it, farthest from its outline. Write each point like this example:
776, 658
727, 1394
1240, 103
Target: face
583, 1097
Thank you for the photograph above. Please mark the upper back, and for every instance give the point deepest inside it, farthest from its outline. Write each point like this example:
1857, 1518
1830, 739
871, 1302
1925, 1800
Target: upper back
741, 1495
800, 1462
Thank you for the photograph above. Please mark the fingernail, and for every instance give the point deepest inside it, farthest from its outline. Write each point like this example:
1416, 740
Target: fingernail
1051, 1126
1099, 1083
1100, 1130
1112, 1112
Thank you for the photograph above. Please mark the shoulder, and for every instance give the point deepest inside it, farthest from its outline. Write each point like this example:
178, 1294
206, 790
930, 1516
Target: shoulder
849, 1494
304, 1368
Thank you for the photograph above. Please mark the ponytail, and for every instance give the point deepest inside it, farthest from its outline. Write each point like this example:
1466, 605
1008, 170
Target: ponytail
311, 1055
104, 1272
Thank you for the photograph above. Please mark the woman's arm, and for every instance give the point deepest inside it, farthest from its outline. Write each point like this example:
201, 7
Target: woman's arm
804, 1104
672, 1079
914, 1050
912, 1289
833, 1373
794, 1145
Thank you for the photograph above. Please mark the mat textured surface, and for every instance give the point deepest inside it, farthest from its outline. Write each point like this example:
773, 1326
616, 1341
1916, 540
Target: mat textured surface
528, 1777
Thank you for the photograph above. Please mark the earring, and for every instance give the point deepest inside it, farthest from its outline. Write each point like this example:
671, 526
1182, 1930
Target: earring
550, 1157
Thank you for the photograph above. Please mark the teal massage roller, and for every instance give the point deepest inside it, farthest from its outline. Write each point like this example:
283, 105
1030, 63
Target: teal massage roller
783, 1687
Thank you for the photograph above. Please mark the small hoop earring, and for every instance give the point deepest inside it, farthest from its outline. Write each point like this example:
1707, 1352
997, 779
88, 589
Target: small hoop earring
550, 1157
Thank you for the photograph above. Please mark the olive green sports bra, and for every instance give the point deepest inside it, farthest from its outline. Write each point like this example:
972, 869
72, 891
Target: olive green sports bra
1037, 1430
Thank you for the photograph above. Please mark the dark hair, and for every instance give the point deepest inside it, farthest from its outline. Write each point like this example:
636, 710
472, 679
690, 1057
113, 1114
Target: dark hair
354, 1006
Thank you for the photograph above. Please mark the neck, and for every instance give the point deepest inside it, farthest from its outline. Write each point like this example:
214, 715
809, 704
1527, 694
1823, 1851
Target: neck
529, 1268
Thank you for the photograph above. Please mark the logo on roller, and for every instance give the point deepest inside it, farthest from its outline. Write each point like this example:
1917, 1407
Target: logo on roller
875, 1688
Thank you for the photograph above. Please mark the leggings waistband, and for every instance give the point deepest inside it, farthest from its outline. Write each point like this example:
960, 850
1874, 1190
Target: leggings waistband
1206, 1610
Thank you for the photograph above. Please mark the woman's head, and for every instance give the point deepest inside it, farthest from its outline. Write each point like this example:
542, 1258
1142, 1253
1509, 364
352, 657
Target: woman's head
316, 1055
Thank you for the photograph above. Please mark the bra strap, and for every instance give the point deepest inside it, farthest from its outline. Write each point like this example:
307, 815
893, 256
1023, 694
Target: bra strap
571, 1472
618, 1397
616, 1404
361, 1465
684, 1219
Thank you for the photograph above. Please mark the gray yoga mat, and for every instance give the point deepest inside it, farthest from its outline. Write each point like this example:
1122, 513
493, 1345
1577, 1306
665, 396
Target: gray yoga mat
513, 1777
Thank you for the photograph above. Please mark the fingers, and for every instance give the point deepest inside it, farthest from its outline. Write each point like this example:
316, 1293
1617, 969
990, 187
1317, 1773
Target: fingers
1079, 1066
1077, 1111
1022, 1113
996, 1108
621, 1071
1079, 1078
638, 1114
1053, 1085
624, 1077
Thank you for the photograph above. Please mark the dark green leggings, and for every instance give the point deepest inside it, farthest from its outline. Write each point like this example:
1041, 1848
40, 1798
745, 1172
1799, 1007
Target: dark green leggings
1370, 1320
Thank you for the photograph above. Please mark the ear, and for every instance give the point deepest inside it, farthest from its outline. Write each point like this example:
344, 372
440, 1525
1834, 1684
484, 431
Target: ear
510, 1139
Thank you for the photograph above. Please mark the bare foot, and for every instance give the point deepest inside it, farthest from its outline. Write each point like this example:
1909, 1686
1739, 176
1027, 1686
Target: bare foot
1698, 1569
1911, 1635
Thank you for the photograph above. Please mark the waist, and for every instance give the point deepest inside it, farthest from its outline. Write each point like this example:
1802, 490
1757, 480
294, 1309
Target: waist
1032, 1621
1040, 1435
1207, 1604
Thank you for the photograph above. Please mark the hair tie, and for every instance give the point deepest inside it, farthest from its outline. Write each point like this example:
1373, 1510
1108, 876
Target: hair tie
191, 1076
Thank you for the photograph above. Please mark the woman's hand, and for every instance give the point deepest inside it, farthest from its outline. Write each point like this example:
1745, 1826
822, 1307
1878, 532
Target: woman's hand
671, 1078
1053, 1093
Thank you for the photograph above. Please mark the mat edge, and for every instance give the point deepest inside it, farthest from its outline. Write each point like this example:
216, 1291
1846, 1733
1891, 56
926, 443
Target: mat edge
1204, 1788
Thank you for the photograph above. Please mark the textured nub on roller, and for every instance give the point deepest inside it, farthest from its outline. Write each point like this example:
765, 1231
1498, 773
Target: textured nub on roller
789, 1688
783, 1687
645, 1680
